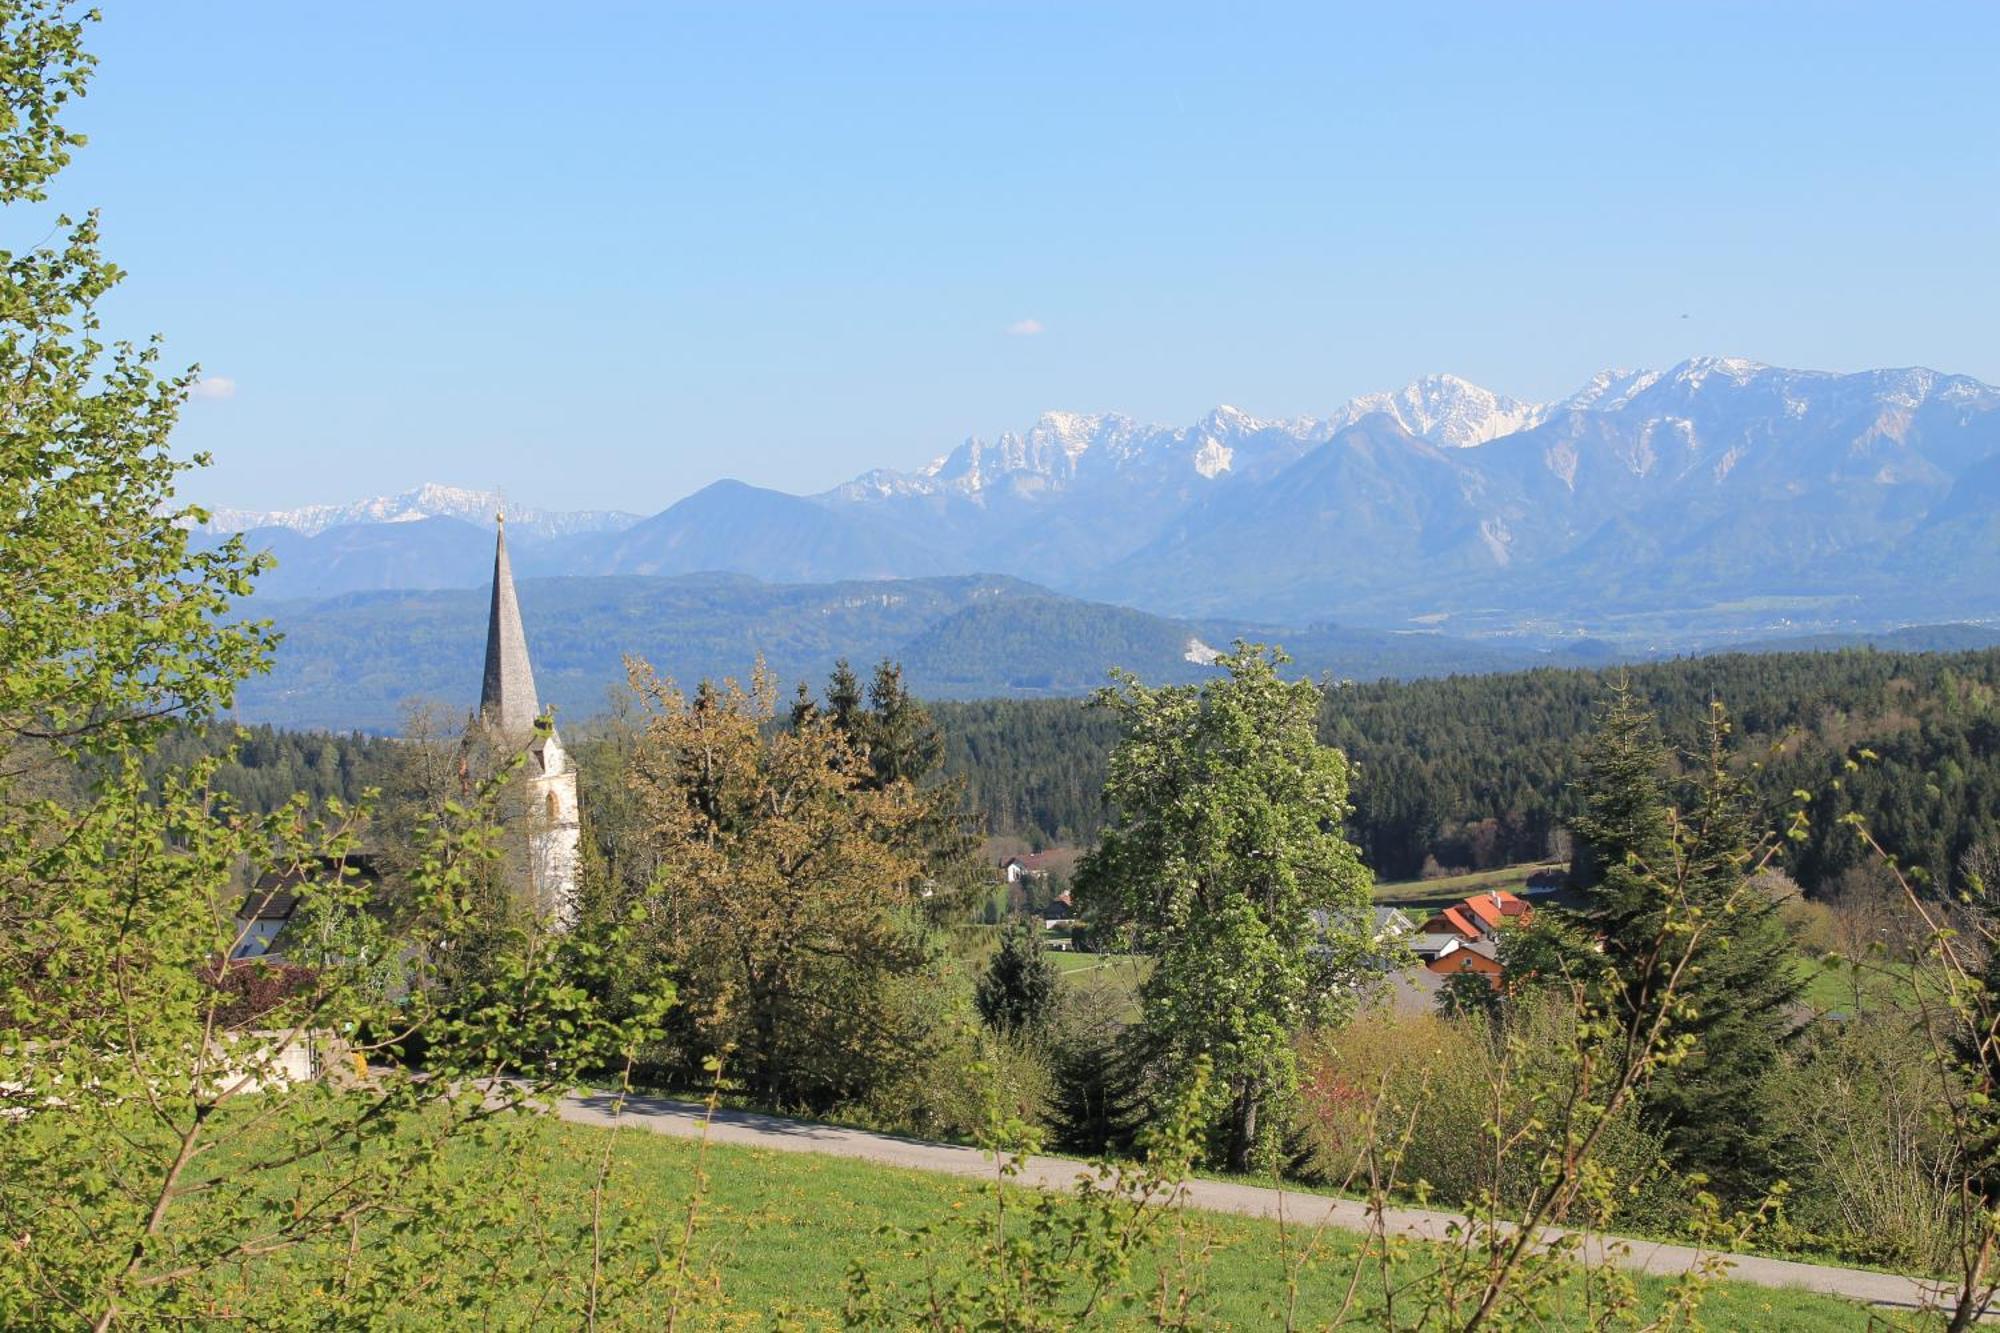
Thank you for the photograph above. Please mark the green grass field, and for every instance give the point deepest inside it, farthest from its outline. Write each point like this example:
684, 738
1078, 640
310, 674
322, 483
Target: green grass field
779, 1232
1453, 887
1071, 963
1840, 987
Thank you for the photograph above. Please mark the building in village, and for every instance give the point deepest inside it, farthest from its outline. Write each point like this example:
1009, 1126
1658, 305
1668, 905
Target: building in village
271, 905
509, 709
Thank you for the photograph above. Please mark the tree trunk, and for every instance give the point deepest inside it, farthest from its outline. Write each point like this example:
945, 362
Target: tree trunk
1243, 1133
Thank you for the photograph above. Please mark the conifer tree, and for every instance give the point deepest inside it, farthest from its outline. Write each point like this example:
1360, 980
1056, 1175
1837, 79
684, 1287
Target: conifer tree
1654, 870
1018, 991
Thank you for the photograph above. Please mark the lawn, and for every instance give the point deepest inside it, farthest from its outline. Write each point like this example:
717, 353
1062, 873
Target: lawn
1836, 986
1069, 963
779, 1232
1450, 888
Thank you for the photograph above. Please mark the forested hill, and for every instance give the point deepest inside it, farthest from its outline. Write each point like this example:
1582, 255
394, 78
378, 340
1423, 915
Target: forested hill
1473, 771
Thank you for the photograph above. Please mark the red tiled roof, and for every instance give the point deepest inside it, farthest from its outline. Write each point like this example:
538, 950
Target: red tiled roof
1456, 920
1484, 908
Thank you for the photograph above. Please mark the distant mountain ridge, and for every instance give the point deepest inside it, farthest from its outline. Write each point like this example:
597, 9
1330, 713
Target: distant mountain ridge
355, 661
430, 500
1645, 504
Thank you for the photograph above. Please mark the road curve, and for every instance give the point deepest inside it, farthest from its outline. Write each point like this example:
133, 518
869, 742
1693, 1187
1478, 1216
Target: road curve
753, 1129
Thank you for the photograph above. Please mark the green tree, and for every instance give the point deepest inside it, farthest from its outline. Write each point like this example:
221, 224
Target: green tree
1654, 863
112, 628
158, 1165
783, 889
898, 744
1019, 988
1229, 867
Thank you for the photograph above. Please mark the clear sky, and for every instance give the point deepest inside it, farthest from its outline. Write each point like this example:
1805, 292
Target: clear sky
601, 255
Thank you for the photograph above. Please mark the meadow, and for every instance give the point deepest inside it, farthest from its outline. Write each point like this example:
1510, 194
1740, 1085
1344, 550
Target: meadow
778, 1233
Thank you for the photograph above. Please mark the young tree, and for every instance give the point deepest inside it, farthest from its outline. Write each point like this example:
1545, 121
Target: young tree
784, 886
1019, 988
1228, 865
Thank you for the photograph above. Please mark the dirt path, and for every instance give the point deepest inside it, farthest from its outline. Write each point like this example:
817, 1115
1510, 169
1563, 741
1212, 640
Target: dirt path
754, 1130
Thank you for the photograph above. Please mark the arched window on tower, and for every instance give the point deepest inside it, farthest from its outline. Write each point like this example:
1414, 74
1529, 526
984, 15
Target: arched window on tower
555, 809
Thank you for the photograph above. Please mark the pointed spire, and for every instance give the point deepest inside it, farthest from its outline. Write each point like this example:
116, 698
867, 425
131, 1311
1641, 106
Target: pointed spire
507, 697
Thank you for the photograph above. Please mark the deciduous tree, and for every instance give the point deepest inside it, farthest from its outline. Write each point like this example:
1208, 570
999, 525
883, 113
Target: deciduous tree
1228, 865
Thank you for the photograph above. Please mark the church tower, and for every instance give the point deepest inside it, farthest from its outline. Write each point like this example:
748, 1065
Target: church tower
508, 707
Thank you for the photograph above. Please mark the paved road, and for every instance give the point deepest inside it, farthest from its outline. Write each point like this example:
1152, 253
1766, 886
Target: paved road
754, 1130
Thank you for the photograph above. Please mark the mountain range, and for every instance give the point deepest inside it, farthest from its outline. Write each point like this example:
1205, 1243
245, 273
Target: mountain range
1721, 495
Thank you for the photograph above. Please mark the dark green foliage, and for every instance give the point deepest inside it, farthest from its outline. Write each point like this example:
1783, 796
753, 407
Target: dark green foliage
1551, 951
1624, 843
268, 766
1475, 771
1103, 1086
1466, 993
1018, 991
1660, 852
1033, 768
900, 743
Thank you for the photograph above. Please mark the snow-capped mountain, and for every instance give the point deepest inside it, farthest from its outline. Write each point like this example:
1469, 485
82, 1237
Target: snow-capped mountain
1063, 449
1446, 411
429, 500
1716, 482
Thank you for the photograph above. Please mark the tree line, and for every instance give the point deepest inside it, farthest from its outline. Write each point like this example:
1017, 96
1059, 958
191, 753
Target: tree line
1471, 772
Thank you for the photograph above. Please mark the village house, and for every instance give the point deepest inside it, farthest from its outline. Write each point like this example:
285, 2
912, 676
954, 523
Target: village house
1029, 865
273, 902
1481, 917
1478, 956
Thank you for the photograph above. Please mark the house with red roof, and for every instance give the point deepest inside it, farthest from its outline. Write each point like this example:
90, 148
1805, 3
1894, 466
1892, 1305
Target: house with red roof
1482, 916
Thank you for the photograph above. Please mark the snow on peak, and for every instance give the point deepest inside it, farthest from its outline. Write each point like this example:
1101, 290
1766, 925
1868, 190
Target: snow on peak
1609, 390
430, 500
1213, 458
1447, 411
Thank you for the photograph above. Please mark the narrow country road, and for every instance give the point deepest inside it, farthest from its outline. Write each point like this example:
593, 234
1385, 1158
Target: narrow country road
754, 1130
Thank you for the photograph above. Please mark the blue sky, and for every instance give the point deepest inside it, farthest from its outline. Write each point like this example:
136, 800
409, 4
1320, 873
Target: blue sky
600, 255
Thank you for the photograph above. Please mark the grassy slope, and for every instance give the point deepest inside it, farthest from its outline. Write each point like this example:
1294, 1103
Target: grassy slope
1840, 987
1454, 887
781, 1229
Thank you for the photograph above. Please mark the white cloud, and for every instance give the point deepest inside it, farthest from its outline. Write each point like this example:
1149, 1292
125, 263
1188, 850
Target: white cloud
1025, 328
214, 386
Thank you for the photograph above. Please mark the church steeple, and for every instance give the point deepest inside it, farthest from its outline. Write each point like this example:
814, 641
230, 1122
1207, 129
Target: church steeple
507, 697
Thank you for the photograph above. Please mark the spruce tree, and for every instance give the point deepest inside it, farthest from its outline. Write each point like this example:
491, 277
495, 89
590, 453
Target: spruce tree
1672, 892
1743, 991
1018, 992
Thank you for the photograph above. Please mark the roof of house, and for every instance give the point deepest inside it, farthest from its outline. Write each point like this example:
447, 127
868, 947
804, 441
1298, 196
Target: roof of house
1435, 942
1484, 908
1392, 919
1033, 862
276, 894
1457, 921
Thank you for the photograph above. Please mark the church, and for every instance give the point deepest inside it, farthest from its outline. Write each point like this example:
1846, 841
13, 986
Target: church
509, 709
